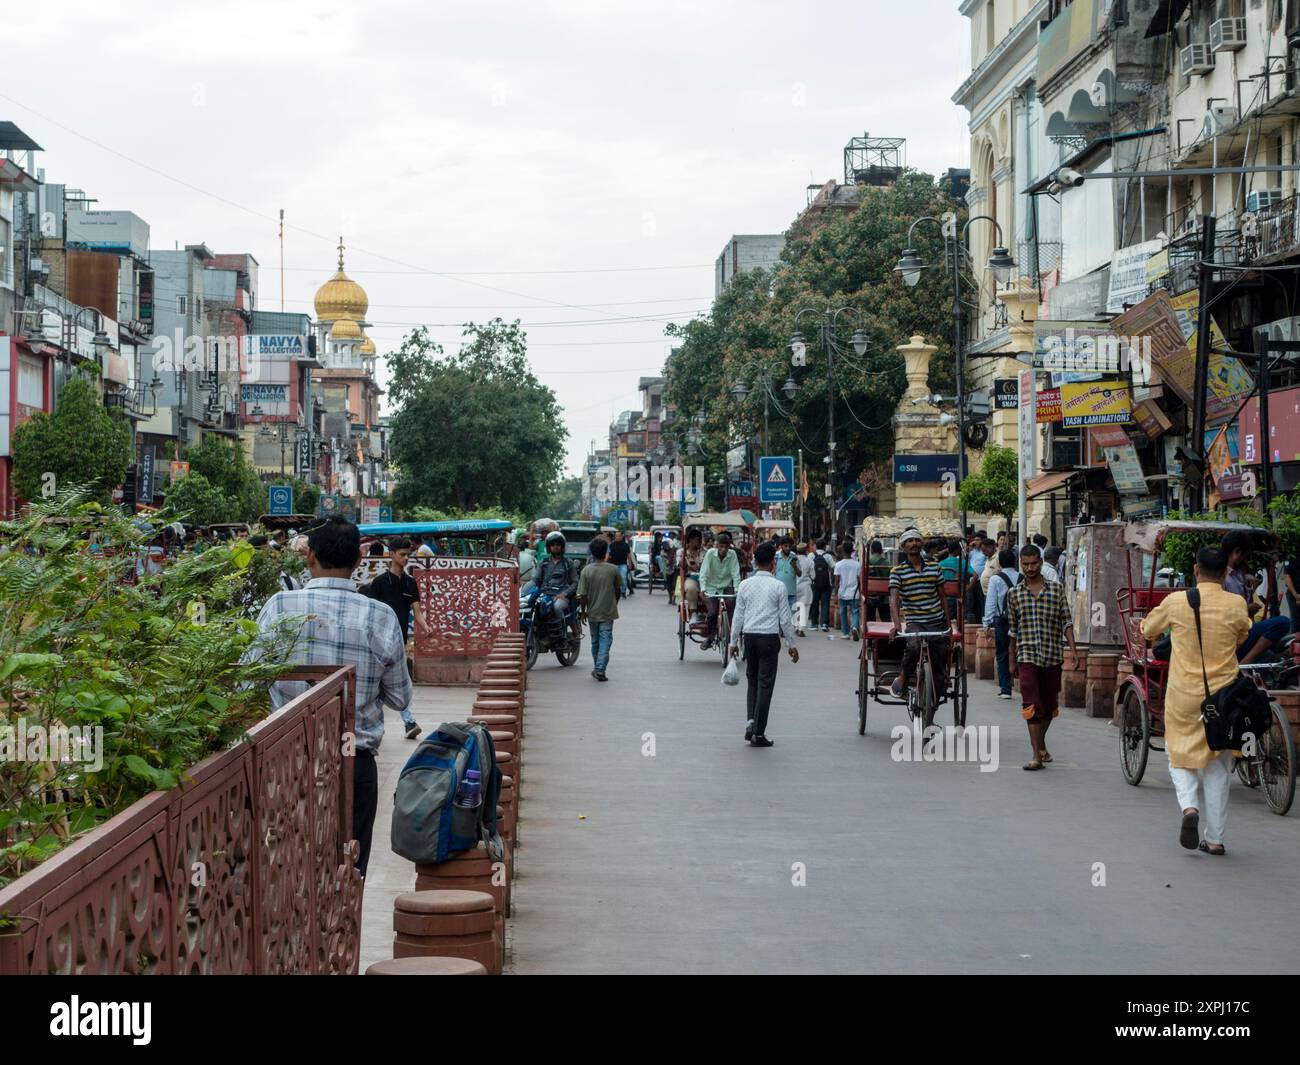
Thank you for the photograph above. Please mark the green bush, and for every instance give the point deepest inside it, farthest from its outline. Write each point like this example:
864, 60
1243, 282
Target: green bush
171, 668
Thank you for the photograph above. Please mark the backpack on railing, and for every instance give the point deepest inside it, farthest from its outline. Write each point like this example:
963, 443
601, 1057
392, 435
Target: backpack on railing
429, 824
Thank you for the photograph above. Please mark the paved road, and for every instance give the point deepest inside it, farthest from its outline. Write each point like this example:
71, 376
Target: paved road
683, 862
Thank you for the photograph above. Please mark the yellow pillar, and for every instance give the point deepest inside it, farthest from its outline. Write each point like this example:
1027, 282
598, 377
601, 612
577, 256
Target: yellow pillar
1022, 300
917, 431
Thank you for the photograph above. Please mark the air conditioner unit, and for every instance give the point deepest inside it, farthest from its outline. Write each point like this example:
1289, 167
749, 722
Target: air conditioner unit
1228, 34
1195, 59
1257, 200
1218, 118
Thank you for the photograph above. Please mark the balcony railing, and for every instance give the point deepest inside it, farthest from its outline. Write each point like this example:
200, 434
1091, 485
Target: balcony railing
1273, 235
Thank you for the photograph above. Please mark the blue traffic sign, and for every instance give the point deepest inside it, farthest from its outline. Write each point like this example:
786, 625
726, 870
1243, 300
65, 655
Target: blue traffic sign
281, 499
385, 513
776, 479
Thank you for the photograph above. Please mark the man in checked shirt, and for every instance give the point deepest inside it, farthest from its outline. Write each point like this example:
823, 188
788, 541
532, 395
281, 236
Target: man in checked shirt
342, 627
1038, 622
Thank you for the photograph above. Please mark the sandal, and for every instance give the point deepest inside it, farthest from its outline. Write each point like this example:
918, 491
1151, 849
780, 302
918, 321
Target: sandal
1190, 833
1209, 848
1034, 765
1044, 757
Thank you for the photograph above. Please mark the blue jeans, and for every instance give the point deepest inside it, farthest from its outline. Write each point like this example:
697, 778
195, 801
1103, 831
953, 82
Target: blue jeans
602, 639
1274, 630
1002, 648
848, 607
623, 576
407, 717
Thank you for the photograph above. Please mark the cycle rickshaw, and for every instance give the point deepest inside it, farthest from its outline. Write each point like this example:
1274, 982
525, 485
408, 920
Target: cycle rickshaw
881, 655
1139, 698
695, 626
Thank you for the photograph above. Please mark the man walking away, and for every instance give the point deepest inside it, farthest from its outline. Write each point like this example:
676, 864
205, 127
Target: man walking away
995, 615
1200, 775
847, 574
619, 552
803, 593
787, 567
339, 627
821, 589
598, 593
762, 618
1052, 564
397, 588
1038, 622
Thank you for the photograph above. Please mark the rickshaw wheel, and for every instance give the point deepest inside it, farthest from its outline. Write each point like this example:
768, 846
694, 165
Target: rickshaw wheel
957, 686
925, 693
863, 695
681, 635
1277, 767
1134, 736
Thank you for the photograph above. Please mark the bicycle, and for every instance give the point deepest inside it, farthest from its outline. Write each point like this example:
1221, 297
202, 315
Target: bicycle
1271, 763
923, 697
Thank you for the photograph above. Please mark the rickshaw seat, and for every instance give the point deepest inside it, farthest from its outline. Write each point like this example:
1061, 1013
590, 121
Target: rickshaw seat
877, 630
877, 586
1146, 599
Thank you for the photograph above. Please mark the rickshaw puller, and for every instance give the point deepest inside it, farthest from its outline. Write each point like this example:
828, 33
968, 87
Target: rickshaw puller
917, 604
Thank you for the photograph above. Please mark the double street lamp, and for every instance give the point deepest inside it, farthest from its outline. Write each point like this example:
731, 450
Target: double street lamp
763, 384
827, 323
909, 268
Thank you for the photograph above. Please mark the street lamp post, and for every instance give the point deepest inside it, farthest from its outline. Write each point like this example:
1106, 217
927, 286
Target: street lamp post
763, 383
909, 268
827, 324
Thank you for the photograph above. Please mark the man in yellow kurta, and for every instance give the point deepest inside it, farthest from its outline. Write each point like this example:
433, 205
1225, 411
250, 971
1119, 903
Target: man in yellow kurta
1196, 770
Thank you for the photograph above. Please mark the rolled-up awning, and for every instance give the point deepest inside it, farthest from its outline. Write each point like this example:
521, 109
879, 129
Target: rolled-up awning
1047, 482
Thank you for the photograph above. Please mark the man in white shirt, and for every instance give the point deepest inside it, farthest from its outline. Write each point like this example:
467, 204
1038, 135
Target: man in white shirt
1051, 564
762, 617
847, 573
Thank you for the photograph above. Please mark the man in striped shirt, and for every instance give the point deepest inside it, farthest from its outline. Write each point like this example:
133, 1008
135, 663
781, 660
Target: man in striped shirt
917, 604
341, 627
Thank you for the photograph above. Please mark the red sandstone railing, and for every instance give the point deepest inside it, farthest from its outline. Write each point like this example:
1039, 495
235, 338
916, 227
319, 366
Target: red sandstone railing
468, 602
246, 868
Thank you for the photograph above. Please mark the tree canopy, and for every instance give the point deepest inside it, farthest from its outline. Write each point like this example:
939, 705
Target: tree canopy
995, 487
81, 443
831, 261
474, 429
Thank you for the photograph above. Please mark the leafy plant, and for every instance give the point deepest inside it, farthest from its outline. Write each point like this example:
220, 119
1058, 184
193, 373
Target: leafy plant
995, 487
1181, 546
162, 672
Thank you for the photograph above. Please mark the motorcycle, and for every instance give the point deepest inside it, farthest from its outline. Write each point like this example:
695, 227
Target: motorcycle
543, 632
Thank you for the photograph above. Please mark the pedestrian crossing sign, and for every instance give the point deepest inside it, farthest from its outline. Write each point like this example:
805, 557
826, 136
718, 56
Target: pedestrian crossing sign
776, 479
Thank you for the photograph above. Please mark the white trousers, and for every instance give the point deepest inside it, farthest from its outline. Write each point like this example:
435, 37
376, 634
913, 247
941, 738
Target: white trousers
1206, 790
801, 615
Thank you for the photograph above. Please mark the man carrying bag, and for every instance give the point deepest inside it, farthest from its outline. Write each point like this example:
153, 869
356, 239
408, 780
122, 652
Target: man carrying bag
1200, 664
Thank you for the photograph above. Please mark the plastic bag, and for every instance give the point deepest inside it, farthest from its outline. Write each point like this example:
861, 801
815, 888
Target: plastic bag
731, 675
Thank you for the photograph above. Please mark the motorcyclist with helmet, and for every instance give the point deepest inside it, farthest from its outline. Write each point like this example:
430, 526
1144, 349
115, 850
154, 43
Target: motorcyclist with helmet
557, 576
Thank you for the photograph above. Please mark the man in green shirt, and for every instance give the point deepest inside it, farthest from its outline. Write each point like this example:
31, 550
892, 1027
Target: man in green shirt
719, 576
598, 592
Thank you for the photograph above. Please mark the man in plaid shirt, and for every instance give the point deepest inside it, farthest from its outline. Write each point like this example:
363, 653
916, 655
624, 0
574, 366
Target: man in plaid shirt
1038, 622
342, 627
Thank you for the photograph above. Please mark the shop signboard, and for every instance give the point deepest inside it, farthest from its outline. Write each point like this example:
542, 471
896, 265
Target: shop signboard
1095, 403
1126, 469
1048, 406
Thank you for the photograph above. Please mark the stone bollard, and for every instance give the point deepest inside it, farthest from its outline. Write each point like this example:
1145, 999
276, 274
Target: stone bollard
1074, 679
508, 803
458, 924
1100, 695
1289, 701
426, 966
985, 655
471, 870
505, 741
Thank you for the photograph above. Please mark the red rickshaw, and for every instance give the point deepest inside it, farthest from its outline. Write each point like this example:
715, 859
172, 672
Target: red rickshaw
881, 655
1139, 697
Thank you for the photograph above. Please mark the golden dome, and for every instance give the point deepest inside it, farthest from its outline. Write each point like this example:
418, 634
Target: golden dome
367, 347
345, 329
341, 297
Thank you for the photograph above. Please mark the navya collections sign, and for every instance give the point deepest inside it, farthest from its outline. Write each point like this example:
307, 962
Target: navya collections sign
285, 346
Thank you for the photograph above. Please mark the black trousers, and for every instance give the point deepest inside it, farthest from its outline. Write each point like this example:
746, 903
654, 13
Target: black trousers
762, 655
820, 612
365, 801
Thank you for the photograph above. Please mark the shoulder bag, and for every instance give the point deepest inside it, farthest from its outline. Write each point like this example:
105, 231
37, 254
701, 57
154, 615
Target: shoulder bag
1237, 710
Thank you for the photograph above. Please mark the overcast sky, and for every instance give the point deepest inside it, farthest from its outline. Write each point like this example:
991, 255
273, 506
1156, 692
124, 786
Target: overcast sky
528, 160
